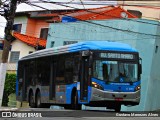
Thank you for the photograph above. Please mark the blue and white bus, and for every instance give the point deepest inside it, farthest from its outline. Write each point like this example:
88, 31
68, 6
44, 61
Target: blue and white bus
93, 73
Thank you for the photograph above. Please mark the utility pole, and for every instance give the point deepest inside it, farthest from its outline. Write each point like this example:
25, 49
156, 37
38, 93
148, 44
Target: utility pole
9, 14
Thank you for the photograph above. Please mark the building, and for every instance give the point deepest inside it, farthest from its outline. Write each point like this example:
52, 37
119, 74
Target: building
22, 46
102, 13
31, 26
138, 8
141, 34
1, 49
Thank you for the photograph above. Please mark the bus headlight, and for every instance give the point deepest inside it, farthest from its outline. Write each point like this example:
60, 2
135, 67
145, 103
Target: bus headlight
95, 85
138, 88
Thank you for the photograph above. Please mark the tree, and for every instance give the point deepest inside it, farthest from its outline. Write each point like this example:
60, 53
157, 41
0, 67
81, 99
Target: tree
0, 2
9, 14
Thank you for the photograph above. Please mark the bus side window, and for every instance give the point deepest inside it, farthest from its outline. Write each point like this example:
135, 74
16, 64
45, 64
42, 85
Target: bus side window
69, 69
76, 69
60, 71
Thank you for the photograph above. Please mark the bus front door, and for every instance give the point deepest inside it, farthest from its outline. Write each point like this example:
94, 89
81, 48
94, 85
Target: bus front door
84, 79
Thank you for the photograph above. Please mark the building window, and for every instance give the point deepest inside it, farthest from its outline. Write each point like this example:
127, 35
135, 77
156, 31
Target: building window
17, 27
52, 44
69, 42
30, 52
156, 50
14, 57
44, 33
135, 13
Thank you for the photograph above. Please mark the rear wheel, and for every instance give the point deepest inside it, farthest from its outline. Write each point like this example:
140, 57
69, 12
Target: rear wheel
38, 100
74, 101
31, 100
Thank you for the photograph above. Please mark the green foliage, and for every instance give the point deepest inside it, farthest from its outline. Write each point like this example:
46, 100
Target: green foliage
9, 87
10, 83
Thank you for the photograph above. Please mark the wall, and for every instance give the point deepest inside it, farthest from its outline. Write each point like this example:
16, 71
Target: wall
144, 43
153, 94
22, 47
21, 20
40, 24
147, 8
150, 13
24, 50
30, 28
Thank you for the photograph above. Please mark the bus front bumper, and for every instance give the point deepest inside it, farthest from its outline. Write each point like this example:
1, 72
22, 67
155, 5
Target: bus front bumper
132, 98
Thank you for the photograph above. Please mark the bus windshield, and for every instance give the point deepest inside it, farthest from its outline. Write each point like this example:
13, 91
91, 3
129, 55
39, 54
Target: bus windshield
115, 71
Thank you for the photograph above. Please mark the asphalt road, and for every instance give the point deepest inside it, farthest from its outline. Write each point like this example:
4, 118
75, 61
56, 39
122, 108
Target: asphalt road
55, 114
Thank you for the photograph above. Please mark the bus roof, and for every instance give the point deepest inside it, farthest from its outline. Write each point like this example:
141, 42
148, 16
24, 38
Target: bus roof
87, 45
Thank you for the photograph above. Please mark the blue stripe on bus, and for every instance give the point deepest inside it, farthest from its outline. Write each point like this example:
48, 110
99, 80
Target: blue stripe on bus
114, 87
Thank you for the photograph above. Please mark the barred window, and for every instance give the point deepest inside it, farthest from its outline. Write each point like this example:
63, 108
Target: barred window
14, 56
17, 27
44, 33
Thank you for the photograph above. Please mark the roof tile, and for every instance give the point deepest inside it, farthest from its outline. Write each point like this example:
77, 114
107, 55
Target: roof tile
30, 40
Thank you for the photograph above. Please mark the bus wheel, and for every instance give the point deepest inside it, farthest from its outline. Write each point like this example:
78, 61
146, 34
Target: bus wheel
38, 100
75, 104
117, 108
31, 100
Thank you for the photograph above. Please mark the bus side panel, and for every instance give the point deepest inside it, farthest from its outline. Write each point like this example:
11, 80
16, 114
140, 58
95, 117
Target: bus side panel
60, 94
44, 94
69, 89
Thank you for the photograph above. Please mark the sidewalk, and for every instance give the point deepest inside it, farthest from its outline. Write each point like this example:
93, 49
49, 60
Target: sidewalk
8, 109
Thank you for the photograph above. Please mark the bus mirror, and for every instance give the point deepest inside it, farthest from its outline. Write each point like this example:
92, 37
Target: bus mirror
140, 66
140, 69
90, 60
85, 53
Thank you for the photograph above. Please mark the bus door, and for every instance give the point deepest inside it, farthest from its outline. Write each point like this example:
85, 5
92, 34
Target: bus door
84, 77
52, 81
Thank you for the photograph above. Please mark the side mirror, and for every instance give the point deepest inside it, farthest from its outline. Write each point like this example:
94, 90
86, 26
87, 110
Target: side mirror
140, 68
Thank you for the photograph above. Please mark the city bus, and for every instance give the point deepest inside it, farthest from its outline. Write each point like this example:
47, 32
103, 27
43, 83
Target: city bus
92, 73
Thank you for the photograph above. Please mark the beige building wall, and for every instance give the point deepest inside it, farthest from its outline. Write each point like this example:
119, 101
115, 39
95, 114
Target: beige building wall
21, 20
24, 49
149, 9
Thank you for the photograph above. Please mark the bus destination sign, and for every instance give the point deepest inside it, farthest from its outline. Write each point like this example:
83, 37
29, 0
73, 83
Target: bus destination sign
117, 56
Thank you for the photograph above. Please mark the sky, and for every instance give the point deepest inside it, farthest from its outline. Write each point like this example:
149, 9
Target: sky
2, 26
23, 7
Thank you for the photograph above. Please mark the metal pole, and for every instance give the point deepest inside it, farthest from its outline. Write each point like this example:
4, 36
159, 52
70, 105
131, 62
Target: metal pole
7, 42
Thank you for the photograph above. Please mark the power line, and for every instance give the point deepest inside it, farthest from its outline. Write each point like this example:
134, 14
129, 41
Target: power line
67, 38
135, 20
128, 31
